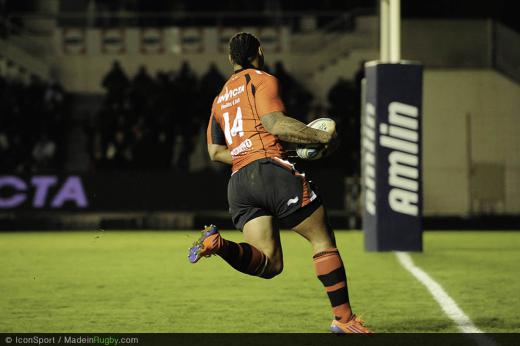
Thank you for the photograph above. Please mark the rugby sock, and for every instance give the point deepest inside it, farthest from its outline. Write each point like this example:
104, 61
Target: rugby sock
243, 257
331, 272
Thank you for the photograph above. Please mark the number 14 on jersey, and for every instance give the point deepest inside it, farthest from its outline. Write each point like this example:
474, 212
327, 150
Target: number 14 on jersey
237, 128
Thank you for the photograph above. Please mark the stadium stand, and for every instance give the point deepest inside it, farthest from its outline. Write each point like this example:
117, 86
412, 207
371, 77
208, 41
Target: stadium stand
105, 82
32, 124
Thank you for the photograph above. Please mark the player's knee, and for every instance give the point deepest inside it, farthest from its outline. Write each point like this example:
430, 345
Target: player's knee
278, 268
273, 270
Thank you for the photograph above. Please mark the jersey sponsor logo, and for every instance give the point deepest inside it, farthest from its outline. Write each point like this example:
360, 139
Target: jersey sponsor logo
230, 104
369, 158
293, 200
231, 93
245, 145
401, 136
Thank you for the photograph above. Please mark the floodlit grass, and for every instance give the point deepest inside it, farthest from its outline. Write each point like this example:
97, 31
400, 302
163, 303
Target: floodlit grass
481, 271
142, 282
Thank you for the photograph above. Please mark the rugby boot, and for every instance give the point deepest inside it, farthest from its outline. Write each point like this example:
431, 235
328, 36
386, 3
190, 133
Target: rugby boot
207, 245
354, 326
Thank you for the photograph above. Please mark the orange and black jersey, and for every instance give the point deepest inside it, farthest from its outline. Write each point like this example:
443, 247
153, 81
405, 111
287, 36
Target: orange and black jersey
236, 116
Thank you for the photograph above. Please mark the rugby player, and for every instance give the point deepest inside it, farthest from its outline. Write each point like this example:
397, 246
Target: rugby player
265, 191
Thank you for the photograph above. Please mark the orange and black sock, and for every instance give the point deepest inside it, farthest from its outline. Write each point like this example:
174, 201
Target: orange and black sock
243, 257
331, 272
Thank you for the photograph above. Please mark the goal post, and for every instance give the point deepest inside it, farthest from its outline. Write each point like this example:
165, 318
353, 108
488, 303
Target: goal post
391, 148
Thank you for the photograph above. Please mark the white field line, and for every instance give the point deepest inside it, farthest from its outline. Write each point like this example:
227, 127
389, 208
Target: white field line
447, 304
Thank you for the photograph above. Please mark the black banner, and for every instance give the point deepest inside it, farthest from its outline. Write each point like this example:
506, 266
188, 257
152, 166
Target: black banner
135, 191
113, 339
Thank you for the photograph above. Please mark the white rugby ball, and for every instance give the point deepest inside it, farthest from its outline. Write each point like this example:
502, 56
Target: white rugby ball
316, 151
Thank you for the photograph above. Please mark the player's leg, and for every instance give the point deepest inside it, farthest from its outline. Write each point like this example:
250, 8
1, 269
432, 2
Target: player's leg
260, 255
298, 207
263, 235
327, 261
330, 270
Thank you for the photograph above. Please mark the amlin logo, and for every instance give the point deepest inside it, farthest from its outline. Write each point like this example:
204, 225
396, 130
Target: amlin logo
369, 158
402, 137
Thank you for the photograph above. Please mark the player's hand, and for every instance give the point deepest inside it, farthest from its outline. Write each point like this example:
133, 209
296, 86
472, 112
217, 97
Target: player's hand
328, 138
325, 137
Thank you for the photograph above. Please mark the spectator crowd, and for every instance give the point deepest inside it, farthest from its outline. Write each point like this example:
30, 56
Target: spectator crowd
32, 124
147, 121
153, 122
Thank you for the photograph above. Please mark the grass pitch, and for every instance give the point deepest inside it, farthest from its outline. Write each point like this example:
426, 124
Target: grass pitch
142, 282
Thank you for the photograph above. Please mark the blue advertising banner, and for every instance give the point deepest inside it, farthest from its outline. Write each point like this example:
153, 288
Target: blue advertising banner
391, 152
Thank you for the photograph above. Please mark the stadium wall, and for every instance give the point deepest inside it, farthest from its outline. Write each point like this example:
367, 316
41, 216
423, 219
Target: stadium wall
471, 143
81, 58
448, 43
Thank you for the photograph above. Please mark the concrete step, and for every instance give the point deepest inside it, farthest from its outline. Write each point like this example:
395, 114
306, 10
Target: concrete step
22, 58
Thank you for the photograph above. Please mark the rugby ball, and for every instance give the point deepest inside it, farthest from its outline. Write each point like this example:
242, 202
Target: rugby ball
317, 151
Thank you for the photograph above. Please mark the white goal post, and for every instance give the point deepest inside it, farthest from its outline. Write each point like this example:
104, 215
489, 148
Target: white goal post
390, 31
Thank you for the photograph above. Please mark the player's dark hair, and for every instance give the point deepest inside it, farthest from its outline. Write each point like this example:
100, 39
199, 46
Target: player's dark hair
243, 48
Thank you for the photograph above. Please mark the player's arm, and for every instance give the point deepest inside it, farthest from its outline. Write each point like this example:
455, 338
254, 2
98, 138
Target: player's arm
271, 111
219, 153
217, 148
293, 131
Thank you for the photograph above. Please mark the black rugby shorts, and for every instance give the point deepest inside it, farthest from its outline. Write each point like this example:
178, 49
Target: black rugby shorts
271, 186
